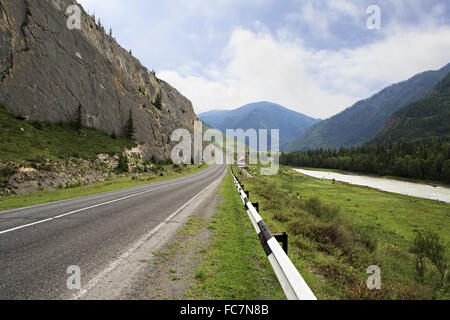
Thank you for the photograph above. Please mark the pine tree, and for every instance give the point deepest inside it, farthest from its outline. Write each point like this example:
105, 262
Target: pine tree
131, 131
79, 120
122, 165
110, 32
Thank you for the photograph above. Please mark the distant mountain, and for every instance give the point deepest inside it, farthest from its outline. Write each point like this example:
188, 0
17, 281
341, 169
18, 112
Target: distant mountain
213, 118
421, 121
361, 122
261, 115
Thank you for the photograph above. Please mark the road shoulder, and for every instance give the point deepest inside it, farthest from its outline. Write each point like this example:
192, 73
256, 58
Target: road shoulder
172, 271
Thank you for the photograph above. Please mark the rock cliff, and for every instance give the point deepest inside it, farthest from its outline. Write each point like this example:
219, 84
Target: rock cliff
47, 71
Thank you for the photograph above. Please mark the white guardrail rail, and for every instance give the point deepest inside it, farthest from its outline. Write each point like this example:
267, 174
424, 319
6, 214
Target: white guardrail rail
293, 284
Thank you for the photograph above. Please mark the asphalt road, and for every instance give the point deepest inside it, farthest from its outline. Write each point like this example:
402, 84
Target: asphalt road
38, 244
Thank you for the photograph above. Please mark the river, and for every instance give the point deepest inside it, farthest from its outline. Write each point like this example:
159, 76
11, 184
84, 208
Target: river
419, 190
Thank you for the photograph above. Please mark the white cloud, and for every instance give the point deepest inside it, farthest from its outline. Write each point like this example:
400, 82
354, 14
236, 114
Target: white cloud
219, 67
259, 66
319, 15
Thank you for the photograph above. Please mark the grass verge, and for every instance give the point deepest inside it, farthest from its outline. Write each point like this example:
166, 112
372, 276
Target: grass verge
234, 265
46, 196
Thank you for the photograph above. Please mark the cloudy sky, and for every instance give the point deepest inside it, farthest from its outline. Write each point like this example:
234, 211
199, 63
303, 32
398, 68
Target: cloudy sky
314, 56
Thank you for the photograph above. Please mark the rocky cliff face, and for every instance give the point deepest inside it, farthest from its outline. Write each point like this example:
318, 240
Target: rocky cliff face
47, 71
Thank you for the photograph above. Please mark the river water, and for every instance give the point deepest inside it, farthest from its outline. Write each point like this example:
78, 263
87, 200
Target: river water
418, 190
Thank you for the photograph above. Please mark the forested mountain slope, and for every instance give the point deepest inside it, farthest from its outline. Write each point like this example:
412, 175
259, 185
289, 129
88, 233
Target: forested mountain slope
421, 121
361, 122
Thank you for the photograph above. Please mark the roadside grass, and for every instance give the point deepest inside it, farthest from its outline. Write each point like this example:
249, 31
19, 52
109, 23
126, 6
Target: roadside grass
234, 265
336, 231
193, 226
46, 196
35, 140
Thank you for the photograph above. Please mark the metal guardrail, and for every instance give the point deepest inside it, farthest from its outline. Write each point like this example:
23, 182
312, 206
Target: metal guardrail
293, 284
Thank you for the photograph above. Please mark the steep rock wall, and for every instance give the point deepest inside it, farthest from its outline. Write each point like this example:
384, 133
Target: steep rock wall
48, 70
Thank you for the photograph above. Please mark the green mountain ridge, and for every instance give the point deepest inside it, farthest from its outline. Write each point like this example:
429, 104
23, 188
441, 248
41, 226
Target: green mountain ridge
361, 122
422, 121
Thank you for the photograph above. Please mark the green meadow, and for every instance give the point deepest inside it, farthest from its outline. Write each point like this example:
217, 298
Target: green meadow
336, 231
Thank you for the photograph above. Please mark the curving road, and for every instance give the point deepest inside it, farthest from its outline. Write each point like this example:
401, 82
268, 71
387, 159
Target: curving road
38, 243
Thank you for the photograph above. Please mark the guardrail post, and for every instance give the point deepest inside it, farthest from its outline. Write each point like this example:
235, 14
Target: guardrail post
248, 194
256, 205
283, 238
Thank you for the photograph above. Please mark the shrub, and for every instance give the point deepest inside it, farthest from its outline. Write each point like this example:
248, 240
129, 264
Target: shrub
338, 273
304, 227
436, 253
327, 235
428, 244
143, 90
419, 250
370, 243
313, 205
296, 227
279, 216
158, 101
316, 207
330, 234
38, 124
73, 185
329, 212
6, 173
122, 166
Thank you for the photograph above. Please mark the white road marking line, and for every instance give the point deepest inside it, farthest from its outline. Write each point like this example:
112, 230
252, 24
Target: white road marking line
84, 209
136, 246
